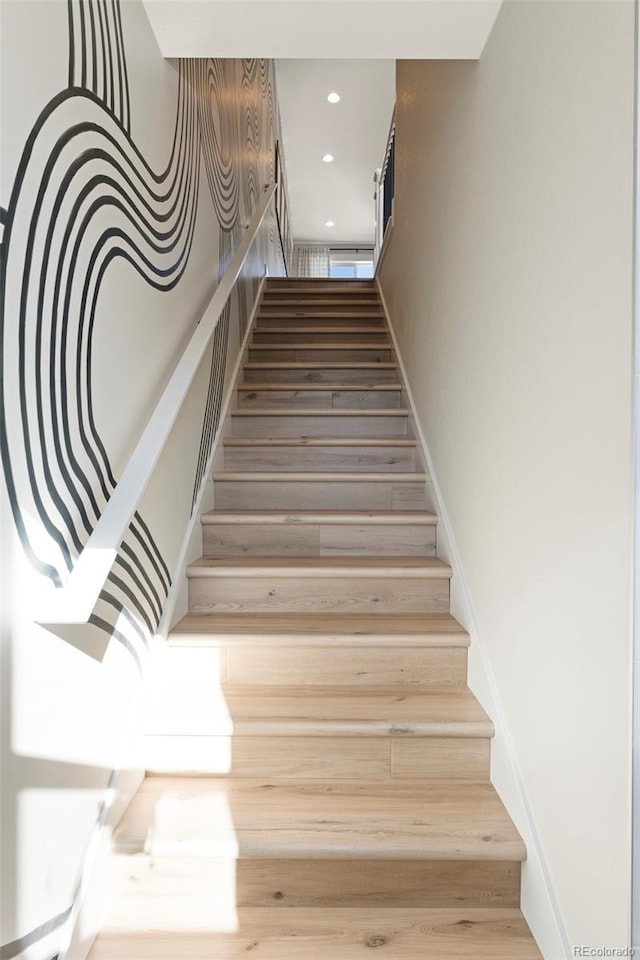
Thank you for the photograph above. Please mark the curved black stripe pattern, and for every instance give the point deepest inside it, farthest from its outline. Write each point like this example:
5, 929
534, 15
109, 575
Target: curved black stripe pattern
84, 197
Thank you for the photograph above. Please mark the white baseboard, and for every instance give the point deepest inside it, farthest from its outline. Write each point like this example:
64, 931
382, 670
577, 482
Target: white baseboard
539, 902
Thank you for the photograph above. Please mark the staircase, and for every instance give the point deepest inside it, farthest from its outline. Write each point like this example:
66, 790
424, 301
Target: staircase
318, 770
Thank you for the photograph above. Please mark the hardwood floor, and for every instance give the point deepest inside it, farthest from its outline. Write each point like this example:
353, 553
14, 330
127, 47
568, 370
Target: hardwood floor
317, 768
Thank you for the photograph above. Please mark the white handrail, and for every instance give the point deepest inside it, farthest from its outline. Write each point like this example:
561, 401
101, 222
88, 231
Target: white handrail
74, 602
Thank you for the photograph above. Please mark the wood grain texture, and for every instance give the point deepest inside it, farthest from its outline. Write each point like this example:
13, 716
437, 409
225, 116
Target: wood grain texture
460, 758
269, 423
329, 396
319, 454
344, 933
284, 535
325, 353
341, 322
337, 820
326, 629
233, 490
318, 372
143, 885
308, 333
361, 584
346, 593
341, 665
282, 757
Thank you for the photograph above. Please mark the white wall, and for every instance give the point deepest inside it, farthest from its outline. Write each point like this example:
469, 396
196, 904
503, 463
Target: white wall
509, 282
101, 171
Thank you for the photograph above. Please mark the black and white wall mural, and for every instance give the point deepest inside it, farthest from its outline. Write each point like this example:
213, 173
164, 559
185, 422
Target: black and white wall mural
126, 185
85, 195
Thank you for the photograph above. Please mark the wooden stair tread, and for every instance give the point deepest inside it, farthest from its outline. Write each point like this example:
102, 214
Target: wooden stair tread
420, 820
319, 365
317, 933
318, 442
311, 311
325, 629
321, 516
321, 329
406, 567
317, 476
259, 710
321, 412
330, 345
361, 387
319, 300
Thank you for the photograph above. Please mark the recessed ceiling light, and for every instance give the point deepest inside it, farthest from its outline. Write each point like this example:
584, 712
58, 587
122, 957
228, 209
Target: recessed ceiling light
328, 158
334, 98
329, 223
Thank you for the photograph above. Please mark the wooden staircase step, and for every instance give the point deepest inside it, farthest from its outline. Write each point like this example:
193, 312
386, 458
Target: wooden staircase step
342, 517
298, 933
294, 423
410, 568
357, 300
310, 334
318, 533
316, 283
318, 371
320, 351
321, 396
397, 443
319, 453
299, 756
333, 630
301, 933
319, 819
312, 312
338, 324
331, 731
264, 584
377, 710
321, 491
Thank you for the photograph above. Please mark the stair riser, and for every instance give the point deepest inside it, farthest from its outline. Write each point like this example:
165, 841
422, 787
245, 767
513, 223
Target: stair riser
314, 309
348, 375
317, 540
315, 284
320, 399
301, 458
320, 354
293, 337
342, 425
301, 757
348, 593
189, 698
304, 294
351, 666
313, 495
363, 300
302, 882
345, 324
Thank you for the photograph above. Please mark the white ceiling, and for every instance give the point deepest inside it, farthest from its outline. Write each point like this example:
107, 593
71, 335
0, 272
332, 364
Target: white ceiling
353, 130
308, 38
384, 29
